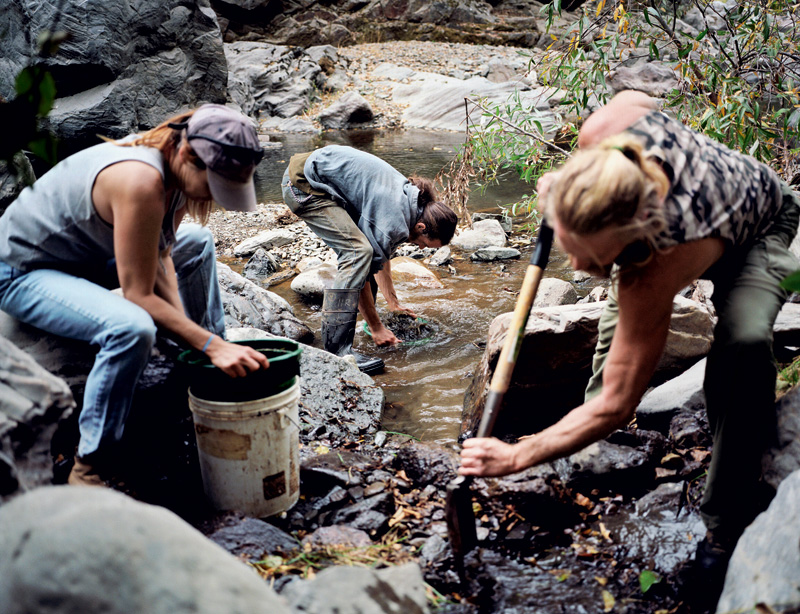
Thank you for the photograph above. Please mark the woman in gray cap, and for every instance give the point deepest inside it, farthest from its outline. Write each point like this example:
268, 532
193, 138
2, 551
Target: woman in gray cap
109, 216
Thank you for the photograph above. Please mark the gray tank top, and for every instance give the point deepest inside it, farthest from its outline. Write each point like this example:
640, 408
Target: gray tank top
53, 223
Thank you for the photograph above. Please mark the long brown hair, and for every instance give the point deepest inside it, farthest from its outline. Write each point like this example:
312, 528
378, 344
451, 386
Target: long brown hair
168, 140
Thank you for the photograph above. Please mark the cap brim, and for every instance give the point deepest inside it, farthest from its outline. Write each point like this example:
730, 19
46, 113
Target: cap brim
232, 195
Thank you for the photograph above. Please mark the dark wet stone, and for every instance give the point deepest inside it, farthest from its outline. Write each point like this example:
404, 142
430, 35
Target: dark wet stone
689, 429
262, 264
371, 515
427, 464
374, 489
321, 471
434, 548
611, 467
357, 492
253, 538
337, 535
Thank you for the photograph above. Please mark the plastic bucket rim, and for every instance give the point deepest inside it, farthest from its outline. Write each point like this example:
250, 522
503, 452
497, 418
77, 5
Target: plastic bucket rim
243, 413
204, 363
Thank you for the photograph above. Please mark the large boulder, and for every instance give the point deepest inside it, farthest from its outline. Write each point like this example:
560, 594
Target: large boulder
126, 66
554, 362
93, 550
764, 572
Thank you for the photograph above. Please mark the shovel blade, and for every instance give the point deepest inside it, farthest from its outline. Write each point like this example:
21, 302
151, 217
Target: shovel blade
461, 528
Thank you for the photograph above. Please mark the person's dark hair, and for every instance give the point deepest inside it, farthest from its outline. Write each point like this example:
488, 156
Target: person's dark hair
440, 221
427, 191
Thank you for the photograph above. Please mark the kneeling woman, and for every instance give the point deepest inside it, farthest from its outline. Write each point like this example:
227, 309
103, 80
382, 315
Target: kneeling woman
108, 216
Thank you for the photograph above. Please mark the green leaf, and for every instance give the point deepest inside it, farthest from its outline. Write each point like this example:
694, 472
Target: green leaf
791, 282
647, 579
24, 82
47, 94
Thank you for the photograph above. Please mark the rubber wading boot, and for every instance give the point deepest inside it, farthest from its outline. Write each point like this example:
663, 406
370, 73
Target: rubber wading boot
339, 314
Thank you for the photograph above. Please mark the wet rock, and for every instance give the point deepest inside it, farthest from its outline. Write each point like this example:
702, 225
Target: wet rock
765, 567
340, 590
14, 178
248, 305
653, 78
93, 549
505, 221
485, 233
341, 468
264, 240
349, 111
427, 464
337, 535
335, 397
253, 538
614, 466
288, 125
680, 394
490, 254
261, 265
410, 271
689, 429
370, 515
434, 549
442, 257
553, 292
783, 457
314, 280
113, 79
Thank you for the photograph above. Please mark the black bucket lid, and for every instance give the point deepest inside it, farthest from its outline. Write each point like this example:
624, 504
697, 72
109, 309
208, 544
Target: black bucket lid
210, 383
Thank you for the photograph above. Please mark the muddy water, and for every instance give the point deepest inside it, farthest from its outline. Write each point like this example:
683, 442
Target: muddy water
425, 383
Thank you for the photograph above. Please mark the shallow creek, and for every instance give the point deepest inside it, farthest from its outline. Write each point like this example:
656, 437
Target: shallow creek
425, 383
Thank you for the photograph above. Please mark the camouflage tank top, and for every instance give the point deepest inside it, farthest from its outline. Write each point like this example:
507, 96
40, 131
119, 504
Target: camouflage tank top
714, 191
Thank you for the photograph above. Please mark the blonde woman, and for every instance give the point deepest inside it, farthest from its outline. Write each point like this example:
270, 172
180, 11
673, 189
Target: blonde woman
109, 216
668, 206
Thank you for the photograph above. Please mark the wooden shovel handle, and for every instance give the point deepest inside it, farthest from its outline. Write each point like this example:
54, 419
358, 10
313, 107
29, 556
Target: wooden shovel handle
516, 331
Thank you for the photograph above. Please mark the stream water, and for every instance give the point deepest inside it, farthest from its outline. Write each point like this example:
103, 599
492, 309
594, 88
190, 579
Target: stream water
424, 384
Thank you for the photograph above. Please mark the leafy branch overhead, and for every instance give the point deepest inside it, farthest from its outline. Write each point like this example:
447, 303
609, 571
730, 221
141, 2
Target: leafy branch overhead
35, 95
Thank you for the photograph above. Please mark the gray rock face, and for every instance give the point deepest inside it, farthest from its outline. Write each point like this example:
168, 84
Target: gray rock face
765, 567
554, 362
253, 538
652, 78
248, 305
264, 240
94, 550
272, 80
553, 291
314, 280
783, 458
355, 590
350, 110
490, 254
682, 393
261, 265
113, 78
14, 178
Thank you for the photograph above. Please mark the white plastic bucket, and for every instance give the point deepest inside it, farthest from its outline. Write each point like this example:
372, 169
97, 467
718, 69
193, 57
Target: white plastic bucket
250, 452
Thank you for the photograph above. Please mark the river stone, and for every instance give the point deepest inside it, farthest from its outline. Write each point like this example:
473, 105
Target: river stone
114, 79
554, 362
682, 393
358, 590
248, 305
350, 110
765, 566
490, 254
314, 280
410, 271
337, 535
264, 240
262, 264
290, 124
335, 397
425, 464
272, 80
95, 550
653, 78
484, 233
553, 291
442, 257
370, 515
392, 72
252, 538
783, 457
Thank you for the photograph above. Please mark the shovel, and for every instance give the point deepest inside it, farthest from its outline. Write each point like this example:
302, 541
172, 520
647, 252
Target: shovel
458, 501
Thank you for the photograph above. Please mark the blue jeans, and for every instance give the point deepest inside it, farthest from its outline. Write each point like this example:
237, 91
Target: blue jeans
74, 307
331, 223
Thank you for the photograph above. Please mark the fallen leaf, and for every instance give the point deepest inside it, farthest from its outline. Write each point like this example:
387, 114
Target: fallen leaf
583, 500
320, 449
608, 601
601, 581
604, 532
661, 473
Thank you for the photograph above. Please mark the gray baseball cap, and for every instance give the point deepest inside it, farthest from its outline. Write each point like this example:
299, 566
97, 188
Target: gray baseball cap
227, 143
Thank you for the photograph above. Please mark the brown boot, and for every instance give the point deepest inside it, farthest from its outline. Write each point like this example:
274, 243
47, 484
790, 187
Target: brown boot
84, 474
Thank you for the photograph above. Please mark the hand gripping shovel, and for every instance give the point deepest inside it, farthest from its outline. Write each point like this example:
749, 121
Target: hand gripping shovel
458, 502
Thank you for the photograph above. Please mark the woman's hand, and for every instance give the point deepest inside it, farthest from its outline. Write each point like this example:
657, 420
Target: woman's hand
234, 359
487, 456
383, 336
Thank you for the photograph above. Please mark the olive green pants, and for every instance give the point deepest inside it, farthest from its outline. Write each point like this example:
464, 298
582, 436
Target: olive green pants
740, 369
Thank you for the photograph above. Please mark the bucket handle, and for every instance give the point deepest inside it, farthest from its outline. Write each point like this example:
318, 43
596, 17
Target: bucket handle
286, 418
